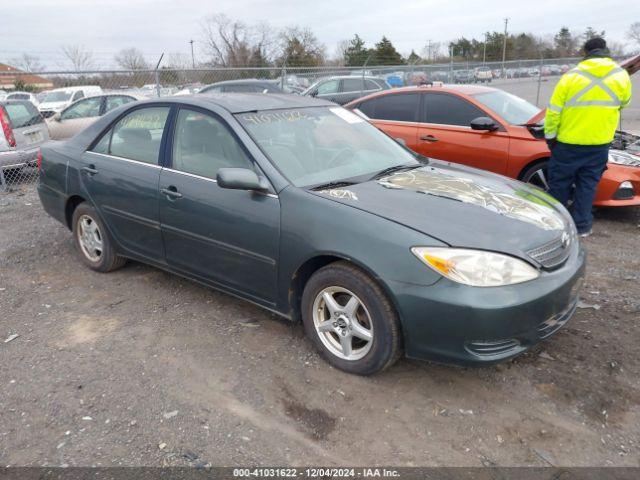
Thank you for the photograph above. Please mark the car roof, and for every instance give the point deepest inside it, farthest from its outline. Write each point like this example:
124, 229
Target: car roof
247, 102
239, 82
445, 88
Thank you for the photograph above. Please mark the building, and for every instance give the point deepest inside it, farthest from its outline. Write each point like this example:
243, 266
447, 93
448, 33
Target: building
9, 75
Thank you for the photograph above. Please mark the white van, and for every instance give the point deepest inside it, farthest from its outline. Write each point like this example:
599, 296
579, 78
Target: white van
60, 98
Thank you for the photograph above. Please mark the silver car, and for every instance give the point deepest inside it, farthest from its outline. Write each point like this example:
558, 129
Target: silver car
23, 131
79, 115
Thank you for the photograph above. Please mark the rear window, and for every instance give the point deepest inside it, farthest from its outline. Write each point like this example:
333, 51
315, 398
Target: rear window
22, 114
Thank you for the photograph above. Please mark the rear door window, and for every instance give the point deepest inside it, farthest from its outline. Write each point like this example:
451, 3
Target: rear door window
78, 95
400, 107
445, 109
115, 101
137, 136
22, 114
353, 85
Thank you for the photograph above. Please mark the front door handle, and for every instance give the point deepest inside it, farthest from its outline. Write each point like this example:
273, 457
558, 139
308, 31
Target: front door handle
171, 192
90, 170
429, 138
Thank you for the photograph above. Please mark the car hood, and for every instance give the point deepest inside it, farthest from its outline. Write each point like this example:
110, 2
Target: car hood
462, 207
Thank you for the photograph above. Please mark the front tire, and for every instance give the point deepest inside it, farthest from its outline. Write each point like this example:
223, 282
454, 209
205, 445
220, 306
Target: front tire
537, 175
93, 242
351, 320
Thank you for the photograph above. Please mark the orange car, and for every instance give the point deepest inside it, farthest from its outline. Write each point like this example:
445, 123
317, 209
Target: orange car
486, 128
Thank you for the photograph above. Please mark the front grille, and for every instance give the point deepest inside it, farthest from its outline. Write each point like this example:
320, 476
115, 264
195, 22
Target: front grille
492, 348
557, 321
552, 254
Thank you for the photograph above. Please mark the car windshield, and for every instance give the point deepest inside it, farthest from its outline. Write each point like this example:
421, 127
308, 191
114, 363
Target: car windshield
321, 145
59, 96
515, 110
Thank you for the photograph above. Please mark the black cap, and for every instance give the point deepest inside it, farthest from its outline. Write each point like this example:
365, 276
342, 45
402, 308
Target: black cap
595, 43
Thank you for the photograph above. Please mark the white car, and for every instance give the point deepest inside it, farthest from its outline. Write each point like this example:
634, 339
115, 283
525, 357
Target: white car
60, 98
30, 97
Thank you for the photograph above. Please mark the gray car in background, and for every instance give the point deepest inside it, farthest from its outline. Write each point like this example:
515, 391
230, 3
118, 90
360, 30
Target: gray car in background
22, 132
343, 89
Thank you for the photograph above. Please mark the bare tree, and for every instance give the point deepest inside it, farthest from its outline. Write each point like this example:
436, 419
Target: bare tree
28, 63
341, 48
231, 43
634, 32
131, 59
79, 57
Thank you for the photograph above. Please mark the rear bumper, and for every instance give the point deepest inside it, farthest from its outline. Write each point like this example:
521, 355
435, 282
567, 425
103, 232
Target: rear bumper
453, 323
18, 158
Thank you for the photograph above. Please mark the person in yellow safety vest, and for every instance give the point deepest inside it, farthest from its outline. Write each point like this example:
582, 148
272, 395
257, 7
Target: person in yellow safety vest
579, 126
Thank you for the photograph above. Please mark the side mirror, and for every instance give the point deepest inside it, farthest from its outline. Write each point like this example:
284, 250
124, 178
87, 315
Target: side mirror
57, 117
241, 179
401, 141
313, 93
483, 123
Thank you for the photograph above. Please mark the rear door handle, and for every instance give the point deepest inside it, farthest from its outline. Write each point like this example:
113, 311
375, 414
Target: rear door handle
171, 192
429, 138
90, 170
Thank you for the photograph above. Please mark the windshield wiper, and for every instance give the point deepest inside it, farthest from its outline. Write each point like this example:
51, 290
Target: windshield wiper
395, 168
329, 185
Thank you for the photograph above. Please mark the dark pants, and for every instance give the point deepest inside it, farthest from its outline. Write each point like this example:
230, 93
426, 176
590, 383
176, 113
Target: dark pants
580, 166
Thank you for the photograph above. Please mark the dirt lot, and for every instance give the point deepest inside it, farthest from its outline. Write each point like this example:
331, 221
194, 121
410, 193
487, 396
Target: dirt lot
139, 367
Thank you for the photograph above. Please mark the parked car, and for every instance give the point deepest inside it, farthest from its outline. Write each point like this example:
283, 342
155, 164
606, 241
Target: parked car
23, 132
60, 98
463, 76
3, 94
343, 89
83, 113
28, 96
534, 72
242, 86
485, 128
439, 76
272, 197
497, 73
482, 75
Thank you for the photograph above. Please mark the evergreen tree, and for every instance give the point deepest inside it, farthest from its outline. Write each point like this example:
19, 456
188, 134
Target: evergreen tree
355, 54
386, 54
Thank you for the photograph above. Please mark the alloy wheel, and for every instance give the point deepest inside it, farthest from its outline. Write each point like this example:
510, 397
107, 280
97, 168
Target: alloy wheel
342, 322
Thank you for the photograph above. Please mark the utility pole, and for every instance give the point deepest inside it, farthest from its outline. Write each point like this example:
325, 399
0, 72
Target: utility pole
193, 58
429, 50
504, 45
484, 49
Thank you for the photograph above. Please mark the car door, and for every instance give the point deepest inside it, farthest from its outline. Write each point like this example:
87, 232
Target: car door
396, 115
352, 88
226, 237
120, 175
444, 133
75, 118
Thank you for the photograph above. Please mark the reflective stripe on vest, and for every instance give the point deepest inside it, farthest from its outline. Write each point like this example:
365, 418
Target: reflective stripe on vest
595, 82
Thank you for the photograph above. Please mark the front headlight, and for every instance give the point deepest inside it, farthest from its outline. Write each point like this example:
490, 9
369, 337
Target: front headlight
623, 158
477, 268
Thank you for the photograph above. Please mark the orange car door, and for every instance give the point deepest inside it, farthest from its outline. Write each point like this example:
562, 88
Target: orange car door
396, 115
444, 133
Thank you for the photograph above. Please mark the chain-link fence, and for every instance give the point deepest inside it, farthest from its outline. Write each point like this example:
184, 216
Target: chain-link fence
57, 105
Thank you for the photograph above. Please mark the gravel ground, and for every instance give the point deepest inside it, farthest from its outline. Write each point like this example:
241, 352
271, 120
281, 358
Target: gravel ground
140, 367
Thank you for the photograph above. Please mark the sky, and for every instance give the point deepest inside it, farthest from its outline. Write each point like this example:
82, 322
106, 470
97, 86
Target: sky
42, 27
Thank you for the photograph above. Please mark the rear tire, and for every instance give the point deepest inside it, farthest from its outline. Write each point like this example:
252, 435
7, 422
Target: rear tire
351, 320
93, 241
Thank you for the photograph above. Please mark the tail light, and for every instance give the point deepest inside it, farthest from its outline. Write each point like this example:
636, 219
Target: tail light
39, 159
6, 127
